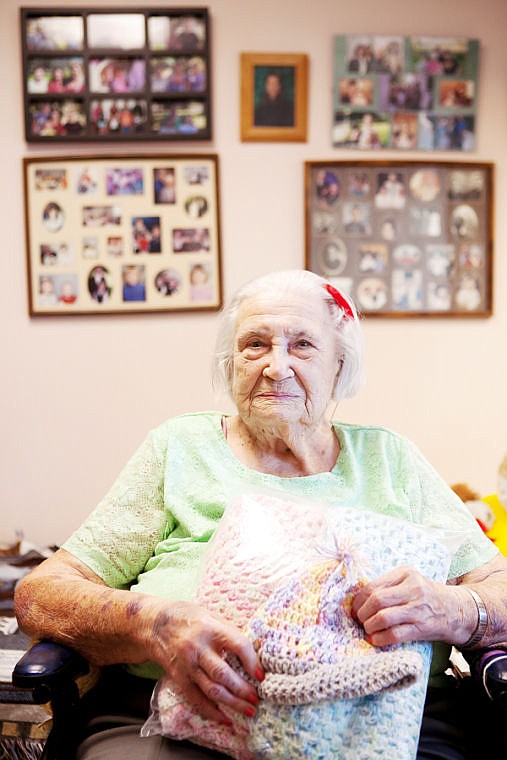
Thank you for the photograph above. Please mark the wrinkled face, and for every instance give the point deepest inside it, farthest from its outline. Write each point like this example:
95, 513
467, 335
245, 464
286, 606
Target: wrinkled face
285, 359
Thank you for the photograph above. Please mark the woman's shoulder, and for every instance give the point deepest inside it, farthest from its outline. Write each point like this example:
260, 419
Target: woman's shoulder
189, 423
357, 430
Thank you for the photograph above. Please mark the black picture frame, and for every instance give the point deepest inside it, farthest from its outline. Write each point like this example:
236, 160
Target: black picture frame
403, 238
109, 74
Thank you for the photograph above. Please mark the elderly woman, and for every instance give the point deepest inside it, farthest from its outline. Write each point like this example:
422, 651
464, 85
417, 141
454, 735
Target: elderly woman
289, 347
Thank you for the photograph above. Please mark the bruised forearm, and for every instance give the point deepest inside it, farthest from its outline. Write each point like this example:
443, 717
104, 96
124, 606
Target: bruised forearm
62, 601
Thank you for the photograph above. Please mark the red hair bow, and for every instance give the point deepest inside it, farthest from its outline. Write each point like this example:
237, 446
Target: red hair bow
341, 301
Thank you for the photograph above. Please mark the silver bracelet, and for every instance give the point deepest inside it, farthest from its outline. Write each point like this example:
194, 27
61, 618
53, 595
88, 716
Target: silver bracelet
482, 620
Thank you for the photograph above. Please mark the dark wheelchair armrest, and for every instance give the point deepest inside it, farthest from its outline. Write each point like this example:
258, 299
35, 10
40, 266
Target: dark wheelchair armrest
49, 671
488, 667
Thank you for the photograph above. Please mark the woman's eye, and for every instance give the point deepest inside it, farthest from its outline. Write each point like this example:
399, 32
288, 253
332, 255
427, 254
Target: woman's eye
303, 344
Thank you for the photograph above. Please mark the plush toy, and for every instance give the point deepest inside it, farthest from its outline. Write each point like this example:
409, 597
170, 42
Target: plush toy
489, 513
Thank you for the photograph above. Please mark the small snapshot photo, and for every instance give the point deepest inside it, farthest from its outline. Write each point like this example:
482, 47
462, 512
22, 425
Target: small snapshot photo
191, 240
456, 93
196, 206
116, 75
124, 181
464, 221
90, 248
378, 54
116, 30
51, 179
146, 234
134, 279
168, 282
57, 290
178, 118
373, 258
55, 75
425, 185
410, 91
201, 285
196, 175
274, 96
465, 185
87, 181
164, 185
440, 56
187, 33
114, 246
53, 217
56, 254
362, 130
178, 74
327, 187
390, 191
100, 284
101, 216
404, 131
57, 118
120, 117
356, 91
59, 33
356, 218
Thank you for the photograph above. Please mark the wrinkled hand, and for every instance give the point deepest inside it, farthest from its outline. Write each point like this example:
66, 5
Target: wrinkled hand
190, 644
403, 605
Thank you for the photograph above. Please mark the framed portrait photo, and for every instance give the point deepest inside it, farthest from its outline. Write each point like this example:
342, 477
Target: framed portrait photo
403, 238
108, 74
274, 94
122, 234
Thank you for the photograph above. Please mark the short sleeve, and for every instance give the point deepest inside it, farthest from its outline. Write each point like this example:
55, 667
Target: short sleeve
437, 506
119, 536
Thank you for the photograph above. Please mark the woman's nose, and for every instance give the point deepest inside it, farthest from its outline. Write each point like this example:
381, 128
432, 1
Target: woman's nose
278, 367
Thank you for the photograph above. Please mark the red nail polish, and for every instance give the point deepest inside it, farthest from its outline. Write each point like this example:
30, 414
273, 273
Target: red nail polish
253, 698
249, 712
368, 640
226, 723
259, 674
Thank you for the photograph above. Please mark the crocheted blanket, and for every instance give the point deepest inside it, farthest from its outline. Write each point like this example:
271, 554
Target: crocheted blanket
327, 692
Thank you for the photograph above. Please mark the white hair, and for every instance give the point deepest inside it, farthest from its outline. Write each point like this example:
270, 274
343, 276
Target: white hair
349, 337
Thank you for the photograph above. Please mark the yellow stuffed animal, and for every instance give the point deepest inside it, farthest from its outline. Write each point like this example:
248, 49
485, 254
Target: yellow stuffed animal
489, 513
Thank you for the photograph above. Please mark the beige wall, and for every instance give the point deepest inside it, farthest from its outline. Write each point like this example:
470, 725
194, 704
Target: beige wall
78, 395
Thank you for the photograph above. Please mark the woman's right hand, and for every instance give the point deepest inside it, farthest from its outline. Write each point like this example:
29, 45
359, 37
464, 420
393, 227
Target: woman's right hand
190, 643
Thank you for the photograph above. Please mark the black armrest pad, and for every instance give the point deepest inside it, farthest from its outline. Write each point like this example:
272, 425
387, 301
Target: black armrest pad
47, 663
492, 671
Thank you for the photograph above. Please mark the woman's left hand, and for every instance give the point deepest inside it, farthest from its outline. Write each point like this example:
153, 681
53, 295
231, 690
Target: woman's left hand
403, 605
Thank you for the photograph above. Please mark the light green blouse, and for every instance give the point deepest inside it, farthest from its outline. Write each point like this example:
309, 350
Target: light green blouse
150, 531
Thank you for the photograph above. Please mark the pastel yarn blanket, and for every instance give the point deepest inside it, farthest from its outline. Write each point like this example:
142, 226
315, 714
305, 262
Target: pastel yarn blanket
286, 571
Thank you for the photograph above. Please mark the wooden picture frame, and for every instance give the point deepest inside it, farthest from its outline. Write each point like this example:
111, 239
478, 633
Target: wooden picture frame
111, 74
122, 234
274, 94
403, 238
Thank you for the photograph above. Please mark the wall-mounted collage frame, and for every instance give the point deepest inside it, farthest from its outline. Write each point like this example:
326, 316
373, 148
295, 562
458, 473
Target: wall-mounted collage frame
122, 234
274, 97
405, 93
403, 238
110, 74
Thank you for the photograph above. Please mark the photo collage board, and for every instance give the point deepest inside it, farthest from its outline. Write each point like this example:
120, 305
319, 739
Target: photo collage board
405, 93
108, 74
122, 234
403, 238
